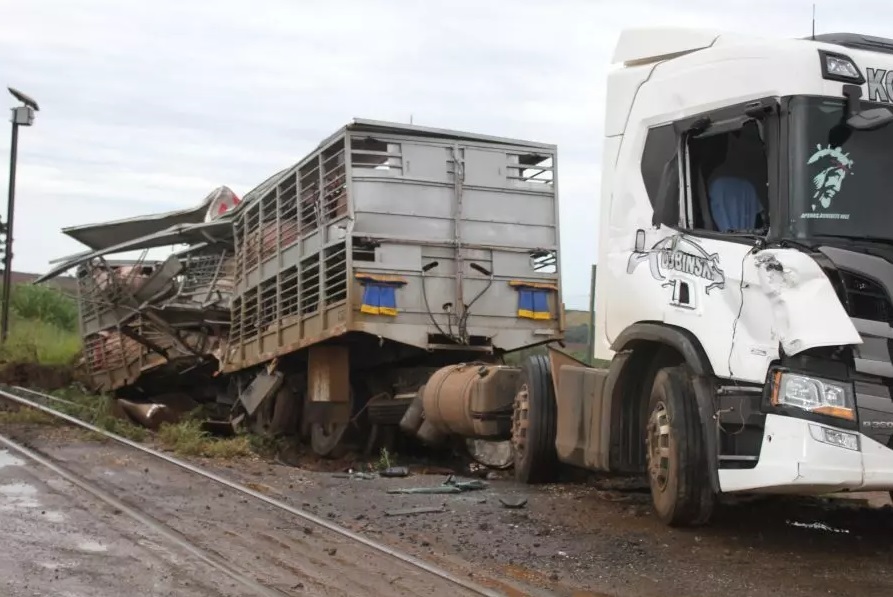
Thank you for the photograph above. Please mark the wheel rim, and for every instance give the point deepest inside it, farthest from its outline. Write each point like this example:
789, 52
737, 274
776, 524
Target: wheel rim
520, 420
658, 445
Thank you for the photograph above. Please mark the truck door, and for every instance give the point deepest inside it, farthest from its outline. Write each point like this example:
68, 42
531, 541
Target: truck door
711, 199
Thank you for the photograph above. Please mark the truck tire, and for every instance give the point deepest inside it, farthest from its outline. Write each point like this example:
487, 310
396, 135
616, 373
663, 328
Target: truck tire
675, 453
534, 423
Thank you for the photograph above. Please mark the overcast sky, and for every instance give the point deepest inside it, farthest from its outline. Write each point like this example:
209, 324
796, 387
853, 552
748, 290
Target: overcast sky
147, 106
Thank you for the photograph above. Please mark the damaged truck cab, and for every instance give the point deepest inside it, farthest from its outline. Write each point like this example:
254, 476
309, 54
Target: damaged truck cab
745, 274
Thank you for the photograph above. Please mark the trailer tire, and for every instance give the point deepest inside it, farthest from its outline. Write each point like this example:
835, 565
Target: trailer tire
534, 423
675, 451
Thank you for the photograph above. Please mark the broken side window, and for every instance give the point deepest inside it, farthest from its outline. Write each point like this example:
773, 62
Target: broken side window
728, 181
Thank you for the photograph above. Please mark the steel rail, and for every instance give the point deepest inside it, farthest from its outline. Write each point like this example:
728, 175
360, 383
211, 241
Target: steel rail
45, 396
307, 516
142, 517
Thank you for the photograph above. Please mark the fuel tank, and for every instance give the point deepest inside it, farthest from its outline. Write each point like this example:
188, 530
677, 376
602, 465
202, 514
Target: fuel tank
473, 400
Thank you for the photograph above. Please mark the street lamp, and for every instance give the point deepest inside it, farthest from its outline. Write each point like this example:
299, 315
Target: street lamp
21, 116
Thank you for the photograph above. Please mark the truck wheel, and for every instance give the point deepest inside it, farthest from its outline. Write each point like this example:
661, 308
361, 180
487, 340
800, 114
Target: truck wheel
677, 467
534, 423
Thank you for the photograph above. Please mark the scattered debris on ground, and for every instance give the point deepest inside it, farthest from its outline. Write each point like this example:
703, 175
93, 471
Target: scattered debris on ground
566, 539
513, 504
413, 511
450, 486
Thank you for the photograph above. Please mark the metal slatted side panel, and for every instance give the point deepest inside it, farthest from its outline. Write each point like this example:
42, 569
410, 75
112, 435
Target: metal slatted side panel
336, 274
287, 272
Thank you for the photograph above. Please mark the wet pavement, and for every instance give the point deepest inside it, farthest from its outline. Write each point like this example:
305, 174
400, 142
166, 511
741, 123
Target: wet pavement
62, 543
58, 540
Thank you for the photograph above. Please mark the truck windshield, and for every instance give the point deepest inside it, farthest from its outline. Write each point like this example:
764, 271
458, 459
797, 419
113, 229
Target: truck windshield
840, 177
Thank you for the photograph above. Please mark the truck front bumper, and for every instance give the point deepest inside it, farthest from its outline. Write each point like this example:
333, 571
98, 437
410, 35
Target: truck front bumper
794, 459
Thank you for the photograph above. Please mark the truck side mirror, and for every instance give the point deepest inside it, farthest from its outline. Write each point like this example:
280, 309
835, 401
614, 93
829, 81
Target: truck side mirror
870, 120
863, 120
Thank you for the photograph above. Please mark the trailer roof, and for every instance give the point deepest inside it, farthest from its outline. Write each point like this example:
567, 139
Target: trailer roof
380, 126
109, 234
219, 230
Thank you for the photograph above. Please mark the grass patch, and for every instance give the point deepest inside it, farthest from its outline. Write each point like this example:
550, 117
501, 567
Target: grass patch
27, 416
189, 439
43, 327
100, 411
267, 446
186, 438
384, 459
34, 341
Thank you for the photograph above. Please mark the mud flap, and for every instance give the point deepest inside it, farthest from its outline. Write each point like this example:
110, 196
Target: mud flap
260, 389
704, 395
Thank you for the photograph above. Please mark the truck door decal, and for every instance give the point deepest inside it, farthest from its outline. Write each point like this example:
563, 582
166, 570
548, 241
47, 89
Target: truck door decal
679, 254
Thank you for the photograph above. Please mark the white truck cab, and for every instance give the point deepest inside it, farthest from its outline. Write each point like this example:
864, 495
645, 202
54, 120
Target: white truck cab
745, 274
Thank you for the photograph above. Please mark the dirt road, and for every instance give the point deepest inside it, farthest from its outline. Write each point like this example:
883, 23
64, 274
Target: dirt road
570, 539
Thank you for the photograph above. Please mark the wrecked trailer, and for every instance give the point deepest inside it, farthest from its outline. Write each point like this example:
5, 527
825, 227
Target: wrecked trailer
152, 326
376, 284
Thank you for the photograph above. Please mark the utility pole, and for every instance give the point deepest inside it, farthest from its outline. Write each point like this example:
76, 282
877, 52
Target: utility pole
21, 116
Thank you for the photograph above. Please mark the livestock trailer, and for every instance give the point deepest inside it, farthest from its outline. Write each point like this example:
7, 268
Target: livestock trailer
387, 252
338, 286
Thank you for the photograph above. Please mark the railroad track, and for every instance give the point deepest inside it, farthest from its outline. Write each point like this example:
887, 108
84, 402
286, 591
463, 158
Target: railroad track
28, 398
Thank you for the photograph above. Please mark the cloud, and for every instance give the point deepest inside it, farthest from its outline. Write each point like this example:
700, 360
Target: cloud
151, 105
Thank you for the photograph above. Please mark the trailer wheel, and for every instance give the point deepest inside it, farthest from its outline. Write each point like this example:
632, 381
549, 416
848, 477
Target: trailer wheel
534, 422
674, 441
279, 414
331, 440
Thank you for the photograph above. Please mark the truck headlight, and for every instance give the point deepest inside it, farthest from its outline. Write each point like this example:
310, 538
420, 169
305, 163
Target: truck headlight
832, 398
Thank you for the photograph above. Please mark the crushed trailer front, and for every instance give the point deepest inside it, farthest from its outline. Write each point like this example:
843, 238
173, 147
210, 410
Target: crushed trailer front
150, 326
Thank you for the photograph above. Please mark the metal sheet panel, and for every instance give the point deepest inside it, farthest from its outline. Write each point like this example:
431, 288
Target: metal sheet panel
217, 231
108, 234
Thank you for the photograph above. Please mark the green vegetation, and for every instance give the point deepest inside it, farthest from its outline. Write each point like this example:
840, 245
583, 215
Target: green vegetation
189, 439
27, 416
186, 437
384, 459
32, 341
43, 327
46, 304
100, 411
576, 318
